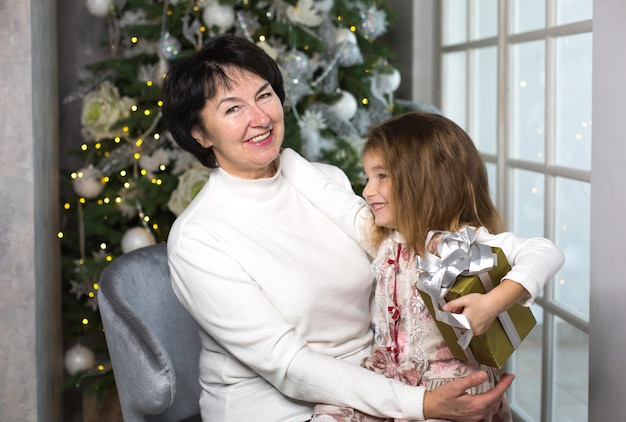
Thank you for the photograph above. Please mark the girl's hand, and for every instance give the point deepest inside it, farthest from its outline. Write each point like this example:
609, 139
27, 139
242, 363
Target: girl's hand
478, 309
482, 309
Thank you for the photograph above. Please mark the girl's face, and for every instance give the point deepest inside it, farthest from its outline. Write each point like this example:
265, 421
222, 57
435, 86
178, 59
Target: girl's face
244, 125
377, 191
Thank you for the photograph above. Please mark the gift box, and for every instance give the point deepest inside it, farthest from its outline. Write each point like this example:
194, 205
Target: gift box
496, 345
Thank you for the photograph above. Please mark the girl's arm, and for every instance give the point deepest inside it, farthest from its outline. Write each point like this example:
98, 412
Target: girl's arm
534, 262
482, 309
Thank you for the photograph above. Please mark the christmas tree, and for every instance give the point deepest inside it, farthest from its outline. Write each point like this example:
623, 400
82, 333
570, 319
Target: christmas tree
339, 81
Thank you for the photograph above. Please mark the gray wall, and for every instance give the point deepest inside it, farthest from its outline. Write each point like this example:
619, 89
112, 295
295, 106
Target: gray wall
607, 337
80, 42
412, 38
30, 305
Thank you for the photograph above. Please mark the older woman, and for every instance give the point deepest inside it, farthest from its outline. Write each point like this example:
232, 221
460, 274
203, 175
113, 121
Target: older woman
281, 294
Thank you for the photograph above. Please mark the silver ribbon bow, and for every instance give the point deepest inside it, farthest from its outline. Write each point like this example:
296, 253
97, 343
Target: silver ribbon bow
458, 255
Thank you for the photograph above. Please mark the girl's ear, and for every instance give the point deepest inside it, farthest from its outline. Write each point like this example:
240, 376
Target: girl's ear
198, 135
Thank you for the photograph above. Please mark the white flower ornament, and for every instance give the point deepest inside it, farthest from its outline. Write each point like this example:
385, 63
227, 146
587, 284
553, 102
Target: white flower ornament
304, 13
101, 109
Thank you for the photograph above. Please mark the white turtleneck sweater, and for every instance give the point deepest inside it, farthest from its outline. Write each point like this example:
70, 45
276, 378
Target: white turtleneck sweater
281, 294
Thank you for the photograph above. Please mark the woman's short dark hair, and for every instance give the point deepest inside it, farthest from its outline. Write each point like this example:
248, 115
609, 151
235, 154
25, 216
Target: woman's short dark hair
193, 80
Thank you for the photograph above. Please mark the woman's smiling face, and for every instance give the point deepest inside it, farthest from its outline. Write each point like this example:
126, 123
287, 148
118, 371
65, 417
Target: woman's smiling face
244, 124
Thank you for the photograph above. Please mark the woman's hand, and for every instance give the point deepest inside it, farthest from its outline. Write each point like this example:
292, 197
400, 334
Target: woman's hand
450, 401
482, 309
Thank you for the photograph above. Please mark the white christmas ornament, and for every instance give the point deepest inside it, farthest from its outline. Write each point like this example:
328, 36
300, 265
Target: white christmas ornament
296, 65
345, 35
135, 238
79, 358
88, 182
168, 46
374, 23
390, 81
347, 48
311, 123
346, 106
221, 16
384, 84
99, 8
324, 5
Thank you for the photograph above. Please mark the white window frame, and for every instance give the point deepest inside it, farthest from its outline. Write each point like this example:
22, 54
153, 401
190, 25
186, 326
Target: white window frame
505, 165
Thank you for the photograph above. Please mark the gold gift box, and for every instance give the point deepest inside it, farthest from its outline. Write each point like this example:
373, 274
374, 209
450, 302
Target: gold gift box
492, 348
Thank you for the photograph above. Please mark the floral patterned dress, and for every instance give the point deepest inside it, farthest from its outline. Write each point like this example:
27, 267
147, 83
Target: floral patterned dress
408, 346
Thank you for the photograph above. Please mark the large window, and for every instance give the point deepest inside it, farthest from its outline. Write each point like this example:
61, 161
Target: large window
516, 74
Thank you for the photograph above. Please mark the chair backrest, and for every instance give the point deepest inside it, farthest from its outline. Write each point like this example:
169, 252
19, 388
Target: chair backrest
153, 342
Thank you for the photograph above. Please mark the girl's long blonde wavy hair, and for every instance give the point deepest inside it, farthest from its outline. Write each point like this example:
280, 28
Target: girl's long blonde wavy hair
439, 180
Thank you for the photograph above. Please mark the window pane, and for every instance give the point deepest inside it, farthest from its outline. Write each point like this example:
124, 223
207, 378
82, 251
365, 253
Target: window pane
571, 377
573, 101
525, 392
484, 19
528, 203
568, 11
484, 111
454, 15
528, 93
573, 237
454, 87
528, 15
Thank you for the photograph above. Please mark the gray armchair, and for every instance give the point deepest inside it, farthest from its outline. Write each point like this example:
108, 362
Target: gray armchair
153, 342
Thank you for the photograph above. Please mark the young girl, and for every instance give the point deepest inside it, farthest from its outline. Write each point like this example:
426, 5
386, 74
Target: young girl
423, 173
